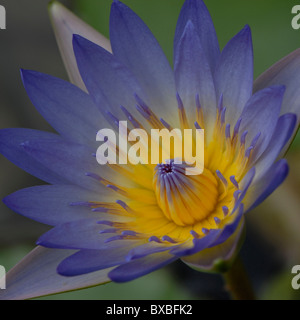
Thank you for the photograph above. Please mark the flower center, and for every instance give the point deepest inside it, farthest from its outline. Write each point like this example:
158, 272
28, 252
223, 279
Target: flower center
165, 204
184, 199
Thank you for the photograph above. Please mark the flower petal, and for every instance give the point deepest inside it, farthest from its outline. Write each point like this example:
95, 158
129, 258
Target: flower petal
234, 74
140, 267
260, 115
244, 185
208, 259
284, 130
263, 187
198, 244
79, 234
193, 77
85, 261
68, 109
134, 45
110, 83
70, 160
196, 12
51, 204
82, 234
148, 248
285, 72
11, 148
230, 228
36, 276
65, 24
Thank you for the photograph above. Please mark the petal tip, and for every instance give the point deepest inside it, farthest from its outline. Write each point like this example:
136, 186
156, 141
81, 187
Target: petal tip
8, 201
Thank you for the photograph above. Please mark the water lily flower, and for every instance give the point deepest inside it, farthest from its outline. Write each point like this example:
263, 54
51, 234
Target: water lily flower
120, 222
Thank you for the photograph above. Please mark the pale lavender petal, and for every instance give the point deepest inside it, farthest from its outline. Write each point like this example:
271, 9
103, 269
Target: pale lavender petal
148, 248
284, 72
36, 276
108, 81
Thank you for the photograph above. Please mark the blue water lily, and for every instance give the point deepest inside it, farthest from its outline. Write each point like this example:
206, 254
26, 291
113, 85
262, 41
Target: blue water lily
120, 222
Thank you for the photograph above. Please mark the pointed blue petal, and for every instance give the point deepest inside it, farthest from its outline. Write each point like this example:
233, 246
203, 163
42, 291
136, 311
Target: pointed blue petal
69, 160
65, 23
85, 261
234, 74
229, 229
11, 147
283, 132
134, 45
206, 260
109, 82
193, 77
260, 115
70, 111
50, 204
140, 267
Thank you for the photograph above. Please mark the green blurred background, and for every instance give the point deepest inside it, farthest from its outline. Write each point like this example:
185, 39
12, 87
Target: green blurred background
273, 229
